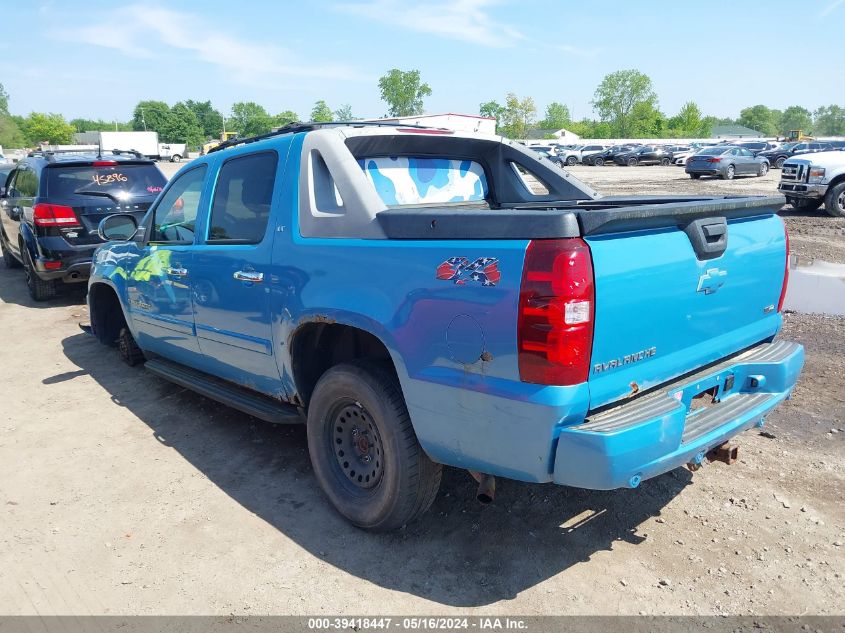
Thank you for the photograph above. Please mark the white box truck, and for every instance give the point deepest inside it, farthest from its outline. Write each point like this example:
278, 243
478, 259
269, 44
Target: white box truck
144, 142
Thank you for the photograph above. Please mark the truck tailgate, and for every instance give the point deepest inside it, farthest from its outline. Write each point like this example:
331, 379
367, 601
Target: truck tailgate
663, 309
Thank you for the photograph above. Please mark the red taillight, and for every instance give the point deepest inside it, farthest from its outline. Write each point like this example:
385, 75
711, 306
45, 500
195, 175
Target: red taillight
54, 215
785, 270
556, 312
104, 163
51, 265
715, 159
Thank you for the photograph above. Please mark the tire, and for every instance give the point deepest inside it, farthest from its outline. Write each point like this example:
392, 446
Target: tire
730, 172
128, 349
598, 162
805, 204
764, 169
175, 158
834, 200
357, 408
780, 161
695, 176
8, 259
665, 162
633, 162
39, 289
571, 160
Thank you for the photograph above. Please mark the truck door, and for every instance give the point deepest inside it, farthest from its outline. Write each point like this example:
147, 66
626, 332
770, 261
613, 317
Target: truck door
230, 273
159, 285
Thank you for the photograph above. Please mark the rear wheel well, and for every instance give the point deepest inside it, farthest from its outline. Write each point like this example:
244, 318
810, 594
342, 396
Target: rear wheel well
107, 319
317, 347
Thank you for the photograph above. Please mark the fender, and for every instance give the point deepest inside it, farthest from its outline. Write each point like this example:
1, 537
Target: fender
335, 316
29, 240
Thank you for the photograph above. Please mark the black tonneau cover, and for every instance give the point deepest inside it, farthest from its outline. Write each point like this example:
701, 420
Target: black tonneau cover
546, 220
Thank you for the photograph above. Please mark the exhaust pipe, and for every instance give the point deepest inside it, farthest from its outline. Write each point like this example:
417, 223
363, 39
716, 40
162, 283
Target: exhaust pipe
486, 487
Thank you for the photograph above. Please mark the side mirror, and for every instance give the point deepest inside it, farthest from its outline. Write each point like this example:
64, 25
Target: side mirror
117, 228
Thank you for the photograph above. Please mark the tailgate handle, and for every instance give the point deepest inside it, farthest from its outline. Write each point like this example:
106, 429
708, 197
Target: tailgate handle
708, 236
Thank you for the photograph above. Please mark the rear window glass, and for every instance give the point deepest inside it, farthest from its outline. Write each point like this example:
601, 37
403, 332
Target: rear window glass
402, 180
710, 151
241, 207
114, 180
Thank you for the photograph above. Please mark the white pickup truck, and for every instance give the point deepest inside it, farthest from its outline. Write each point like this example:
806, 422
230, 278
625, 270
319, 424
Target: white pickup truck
809, 180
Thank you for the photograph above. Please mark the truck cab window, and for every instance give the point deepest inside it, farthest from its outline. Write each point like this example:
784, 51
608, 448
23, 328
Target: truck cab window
176, 212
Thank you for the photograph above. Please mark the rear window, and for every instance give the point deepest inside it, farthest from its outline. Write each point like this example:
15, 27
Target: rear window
408, 180
711, 151
122, 181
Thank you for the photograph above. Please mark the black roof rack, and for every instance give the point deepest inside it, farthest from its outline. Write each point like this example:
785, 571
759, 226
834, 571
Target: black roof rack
297, 126
51, 154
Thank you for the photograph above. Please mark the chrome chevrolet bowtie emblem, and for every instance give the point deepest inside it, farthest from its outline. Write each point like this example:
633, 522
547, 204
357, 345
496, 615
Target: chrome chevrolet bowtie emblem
711, 281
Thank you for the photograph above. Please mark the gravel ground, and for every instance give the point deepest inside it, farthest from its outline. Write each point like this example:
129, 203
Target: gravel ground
123, 494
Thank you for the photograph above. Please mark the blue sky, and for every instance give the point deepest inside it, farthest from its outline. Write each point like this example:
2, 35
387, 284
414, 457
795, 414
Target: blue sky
98, 58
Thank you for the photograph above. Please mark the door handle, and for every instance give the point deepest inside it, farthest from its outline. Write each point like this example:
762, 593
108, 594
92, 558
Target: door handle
177, 272
249, 275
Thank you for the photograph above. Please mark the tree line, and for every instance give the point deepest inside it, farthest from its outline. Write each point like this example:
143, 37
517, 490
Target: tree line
625, 103
627, 107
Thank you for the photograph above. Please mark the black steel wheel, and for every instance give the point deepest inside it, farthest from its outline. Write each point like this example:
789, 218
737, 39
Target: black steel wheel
363, 448
357, 444
129, 351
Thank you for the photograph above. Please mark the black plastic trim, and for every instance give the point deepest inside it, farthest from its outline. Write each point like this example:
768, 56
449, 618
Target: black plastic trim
240, 398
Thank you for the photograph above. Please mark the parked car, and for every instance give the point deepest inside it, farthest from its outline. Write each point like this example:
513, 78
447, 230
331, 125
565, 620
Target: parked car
584, 319
53, 203
606, 157
778, 156
681, 158
644, 155
544, 150
5, 170
755, 147
726, 161
587, 151
808, 181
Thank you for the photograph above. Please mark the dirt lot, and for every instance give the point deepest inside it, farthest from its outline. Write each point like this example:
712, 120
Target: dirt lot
122, 494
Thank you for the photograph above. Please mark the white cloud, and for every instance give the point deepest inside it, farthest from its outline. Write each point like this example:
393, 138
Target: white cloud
465, 20
142, 32
578, 51
830, 8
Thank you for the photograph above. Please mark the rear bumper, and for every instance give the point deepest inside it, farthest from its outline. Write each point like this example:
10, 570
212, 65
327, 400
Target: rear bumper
656, 433
705, 171
802, 190
75, 261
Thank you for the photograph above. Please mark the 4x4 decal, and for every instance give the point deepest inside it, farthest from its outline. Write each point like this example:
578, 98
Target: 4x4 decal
484, 270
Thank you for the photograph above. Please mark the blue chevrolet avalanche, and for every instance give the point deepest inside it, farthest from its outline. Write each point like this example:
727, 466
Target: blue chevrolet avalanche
422, 297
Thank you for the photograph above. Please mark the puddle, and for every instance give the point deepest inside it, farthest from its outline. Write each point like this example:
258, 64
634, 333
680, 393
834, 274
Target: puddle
816, 287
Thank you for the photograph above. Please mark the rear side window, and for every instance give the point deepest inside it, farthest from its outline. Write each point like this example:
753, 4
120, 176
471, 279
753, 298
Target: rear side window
241, 208
26, 183
120, 181
410, 180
